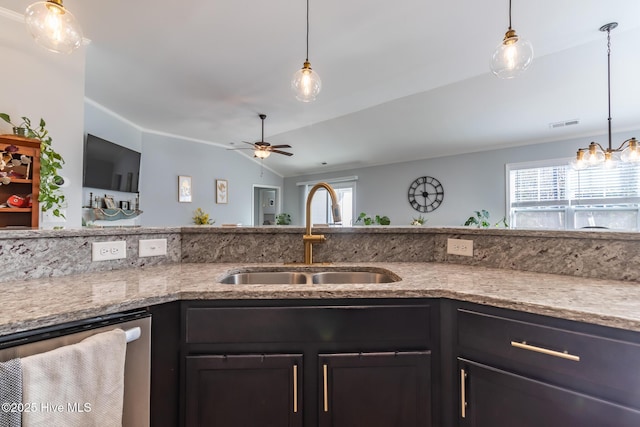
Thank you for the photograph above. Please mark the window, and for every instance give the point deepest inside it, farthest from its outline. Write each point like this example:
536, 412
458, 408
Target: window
553, 195
321, 203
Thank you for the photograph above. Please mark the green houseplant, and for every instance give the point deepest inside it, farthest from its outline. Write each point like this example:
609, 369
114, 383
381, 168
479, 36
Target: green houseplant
283, 219
367, 220
51, 196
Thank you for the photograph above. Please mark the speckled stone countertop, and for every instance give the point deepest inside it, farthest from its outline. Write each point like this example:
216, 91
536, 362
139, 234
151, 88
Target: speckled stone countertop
44, 302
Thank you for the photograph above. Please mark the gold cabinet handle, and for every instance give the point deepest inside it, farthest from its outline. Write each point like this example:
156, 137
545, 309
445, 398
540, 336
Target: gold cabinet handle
325, 387
463, 394
564, 355
295, 388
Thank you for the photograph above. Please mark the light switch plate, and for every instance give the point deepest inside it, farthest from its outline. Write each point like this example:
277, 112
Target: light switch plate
152, 247
105, 251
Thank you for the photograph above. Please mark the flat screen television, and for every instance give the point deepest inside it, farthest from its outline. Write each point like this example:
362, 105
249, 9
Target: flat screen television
110, 166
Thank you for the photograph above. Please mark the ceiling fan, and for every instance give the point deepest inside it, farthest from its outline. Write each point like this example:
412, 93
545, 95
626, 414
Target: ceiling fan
262, 149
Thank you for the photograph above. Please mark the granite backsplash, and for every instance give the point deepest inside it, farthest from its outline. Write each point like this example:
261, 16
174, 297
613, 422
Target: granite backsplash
592, 254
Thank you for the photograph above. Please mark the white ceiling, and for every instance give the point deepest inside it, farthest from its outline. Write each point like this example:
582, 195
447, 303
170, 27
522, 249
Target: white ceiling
402, 80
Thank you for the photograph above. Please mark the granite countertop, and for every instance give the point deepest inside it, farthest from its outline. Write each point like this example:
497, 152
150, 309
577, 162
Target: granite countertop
43, 302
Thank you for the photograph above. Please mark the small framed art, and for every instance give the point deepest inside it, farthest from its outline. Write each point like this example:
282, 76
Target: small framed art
184, 189
222, 191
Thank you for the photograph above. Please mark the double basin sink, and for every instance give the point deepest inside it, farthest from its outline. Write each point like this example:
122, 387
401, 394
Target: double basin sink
312, 276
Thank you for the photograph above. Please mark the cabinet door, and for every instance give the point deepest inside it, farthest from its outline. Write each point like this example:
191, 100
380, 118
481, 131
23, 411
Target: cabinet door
490, 397
375, 389
244, 390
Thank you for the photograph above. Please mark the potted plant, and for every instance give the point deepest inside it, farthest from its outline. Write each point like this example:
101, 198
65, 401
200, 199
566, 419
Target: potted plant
51, 196
200, 217
367, 220
283, 219
481, 220
420, 220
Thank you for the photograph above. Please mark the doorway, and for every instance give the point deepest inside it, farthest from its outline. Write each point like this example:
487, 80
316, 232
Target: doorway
266, 203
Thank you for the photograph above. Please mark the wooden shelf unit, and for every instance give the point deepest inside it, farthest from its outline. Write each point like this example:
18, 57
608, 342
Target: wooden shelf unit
21, 217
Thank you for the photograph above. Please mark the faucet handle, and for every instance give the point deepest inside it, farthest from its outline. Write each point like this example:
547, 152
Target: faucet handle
314, 238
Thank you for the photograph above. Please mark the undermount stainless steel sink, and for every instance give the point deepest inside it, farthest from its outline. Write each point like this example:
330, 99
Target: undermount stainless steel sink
266, 278
337, 277
310, 277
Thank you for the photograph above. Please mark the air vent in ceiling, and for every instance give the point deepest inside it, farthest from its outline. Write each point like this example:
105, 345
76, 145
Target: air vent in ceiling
564, 123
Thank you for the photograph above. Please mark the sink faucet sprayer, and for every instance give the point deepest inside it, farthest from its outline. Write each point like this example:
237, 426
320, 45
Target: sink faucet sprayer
308, 238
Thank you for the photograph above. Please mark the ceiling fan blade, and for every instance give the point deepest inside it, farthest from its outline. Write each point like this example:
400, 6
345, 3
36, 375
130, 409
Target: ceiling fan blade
281, 152
281, 146
241, 148
250, 143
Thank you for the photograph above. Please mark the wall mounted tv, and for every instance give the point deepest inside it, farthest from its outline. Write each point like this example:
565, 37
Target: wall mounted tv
110, 166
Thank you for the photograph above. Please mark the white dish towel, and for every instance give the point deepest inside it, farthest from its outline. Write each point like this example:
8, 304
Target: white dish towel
78, 385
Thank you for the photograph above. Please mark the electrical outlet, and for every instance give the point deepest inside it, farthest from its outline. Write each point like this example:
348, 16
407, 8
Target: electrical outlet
460, 247
104, 251
152, 247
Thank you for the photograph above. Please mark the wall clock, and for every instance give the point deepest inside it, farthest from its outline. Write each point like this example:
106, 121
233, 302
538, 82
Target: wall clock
425, 194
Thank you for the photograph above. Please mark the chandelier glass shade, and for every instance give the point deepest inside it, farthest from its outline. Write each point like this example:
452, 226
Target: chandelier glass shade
512, 56
53, 27
595, 154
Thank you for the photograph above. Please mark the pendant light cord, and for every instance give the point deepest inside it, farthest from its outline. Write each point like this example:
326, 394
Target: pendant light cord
609, 80
307, 59
509, 14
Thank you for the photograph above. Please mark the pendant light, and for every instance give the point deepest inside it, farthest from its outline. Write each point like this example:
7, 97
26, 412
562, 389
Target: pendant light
306, 83
595, 154
53, 27
512, 56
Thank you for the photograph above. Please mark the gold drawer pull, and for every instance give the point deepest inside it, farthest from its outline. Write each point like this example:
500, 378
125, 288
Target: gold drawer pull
326, 388
295, 388
564, 355
463, 394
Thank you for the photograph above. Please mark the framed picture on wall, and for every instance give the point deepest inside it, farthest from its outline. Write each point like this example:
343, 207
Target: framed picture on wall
222, 191
184, 189
110, 203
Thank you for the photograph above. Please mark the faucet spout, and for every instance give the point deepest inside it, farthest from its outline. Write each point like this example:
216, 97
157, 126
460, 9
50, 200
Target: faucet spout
309, 239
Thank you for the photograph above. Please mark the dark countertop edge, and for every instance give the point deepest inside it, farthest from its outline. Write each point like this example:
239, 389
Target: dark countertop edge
291, 229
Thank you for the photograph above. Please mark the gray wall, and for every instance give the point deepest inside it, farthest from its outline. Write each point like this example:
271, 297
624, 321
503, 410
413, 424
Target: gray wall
165, 157
471, 182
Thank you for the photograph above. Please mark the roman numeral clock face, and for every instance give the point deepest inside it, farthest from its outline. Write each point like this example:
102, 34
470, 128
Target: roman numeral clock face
425, 194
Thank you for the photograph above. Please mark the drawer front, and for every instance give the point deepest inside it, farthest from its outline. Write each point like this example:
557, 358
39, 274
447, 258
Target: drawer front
590, 363
309, 324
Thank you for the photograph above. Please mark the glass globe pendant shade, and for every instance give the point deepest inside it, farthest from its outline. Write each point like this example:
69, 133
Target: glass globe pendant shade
261, 154
632, 152
53, 27
512, 56
306, 83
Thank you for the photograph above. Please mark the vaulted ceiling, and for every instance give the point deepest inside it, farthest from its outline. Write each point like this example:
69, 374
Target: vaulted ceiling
402, 80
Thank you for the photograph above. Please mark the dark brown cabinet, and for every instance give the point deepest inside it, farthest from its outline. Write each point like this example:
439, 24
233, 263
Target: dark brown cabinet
493, 397
526, 370
376, 389
244, 390
279, 364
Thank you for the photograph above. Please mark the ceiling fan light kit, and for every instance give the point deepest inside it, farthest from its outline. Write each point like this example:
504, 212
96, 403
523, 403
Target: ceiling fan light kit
53, 27
263, 149
306, 83
595, 154
512, 56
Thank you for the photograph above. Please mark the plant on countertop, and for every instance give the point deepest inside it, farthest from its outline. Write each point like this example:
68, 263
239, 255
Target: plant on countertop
51, 196
283, 219
379, 220
481, 220
200, 217
418, 221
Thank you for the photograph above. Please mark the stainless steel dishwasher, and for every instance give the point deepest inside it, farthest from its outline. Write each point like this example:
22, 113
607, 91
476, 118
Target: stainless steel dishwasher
137, 362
